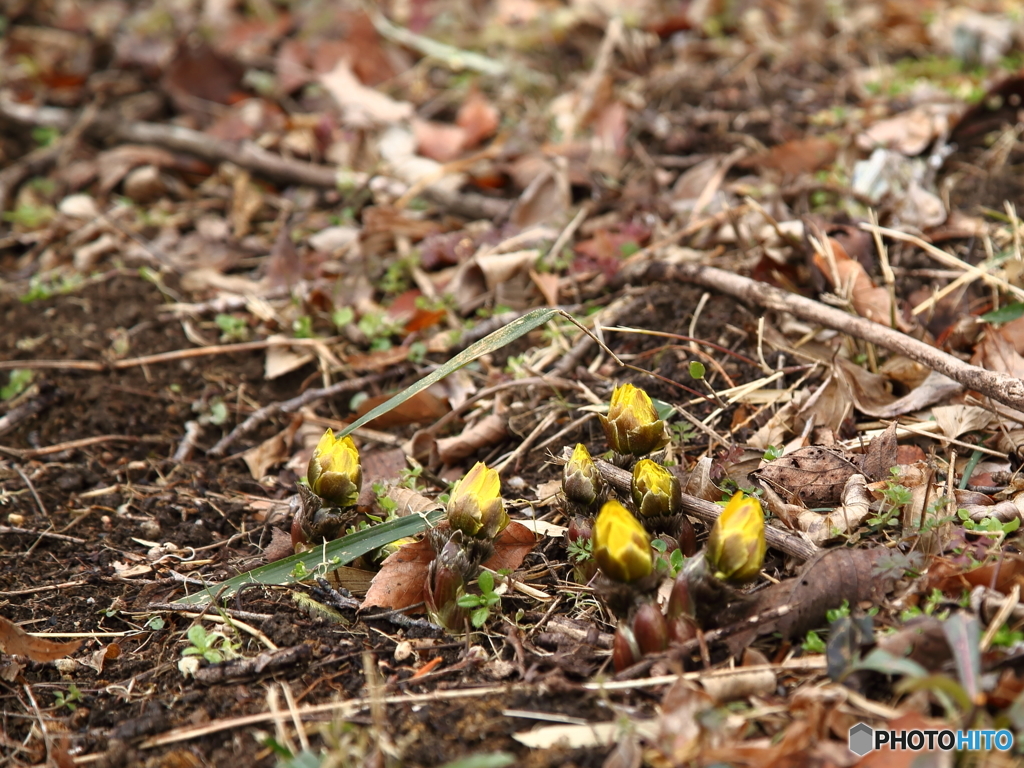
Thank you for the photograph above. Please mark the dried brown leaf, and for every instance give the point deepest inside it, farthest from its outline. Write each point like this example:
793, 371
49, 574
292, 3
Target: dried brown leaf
848, 278
402, 578
511, 546
547, 198
798, 156
952, 578
439, 141
828, 580
880, 456
478, 119
422, 408
16, 641
821, 528
362, 107
816, 474
486, 432
272, 451
114, 164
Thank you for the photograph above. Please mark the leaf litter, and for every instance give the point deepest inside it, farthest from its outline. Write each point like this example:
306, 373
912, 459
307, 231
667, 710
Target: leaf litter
364, 189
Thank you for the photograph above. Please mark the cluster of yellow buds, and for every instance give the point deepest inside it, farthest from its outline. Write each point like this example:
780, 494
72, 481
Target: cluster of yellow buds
658, 499
335, 478
632, 425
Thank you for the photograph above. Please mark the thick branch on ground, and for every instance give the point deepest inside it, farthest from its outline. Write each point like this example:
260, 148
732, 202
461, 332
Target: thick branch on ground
245, 154
1001, 387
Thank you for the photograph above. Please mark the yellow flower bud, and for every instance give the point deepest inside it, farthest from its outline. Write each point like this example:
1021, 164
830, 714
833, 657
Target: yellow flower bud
475, 506
736, 545
632, 424
621, 546
656, 490
334, 472
581, 479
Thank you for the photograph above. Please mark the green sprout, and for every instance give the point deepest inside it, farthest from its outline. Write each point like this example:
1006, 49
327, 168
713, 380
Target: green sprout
673, 563
302, 327
205, 644
894, 497
813, 643
232, 328
18, 382
481, 605
991, 526
68, 700
581, 550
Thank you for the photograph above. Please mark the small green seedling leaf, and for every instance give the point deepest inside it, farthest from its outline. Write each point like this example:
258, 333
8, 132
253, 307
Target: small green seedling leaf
19, 380
697, 370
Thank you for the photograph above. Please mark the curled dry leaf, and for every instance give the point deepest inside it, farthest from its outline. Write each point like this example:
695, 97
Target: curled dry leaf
422, 408
272, 451
699, 482
411, 502
438, 141
362, 107
545, 199
98, 657
478, 118
910, 132
511, 547
402, 577
881, 455
843, 519
114, 164
484, 433
805, 155
935, 388
15, 640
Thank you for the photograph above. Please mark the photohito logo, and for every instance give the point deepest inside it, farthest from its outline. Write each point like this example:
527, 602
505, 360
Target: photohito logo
864, 738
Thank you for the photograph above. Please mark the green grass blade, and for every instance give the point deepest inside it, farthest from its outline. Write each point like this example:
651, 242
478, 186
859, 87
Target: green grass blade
322, 559
487, 344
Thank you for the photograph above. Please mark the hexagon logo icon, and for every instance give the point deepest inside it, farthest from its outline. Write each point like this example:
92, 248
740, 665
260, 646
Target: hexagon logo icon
861, 739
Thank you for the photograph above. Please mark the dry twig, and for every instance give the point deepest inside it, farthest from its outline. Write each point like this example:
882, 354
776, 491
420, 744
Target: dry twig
1001, 387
